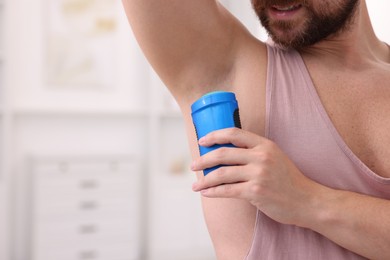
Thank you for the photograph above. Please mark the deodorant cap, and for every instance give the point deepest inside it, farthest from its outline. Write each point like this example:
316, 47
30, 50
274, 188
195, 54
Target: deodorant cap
212, 98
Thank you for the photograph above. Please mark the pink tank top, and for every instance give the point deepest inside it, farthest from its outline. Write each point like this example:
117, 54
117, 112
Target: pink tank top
297, 121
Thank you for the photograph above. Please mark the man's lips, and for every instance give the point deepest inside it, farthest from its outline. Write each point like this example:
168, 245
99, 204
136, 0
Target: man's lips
286, 8
285, 11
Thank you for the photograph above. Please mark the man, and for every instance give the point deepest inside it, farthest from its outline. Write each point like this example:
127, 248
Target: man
312, 157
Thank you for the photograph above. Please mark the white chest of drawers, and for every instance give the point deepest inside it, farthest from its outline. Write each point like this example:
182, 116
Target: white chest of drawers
85, 209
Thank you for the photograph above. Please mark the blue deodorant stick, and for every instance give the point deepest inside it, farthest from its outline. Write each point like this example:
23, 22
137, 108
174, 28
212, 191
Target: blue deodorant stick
214, 111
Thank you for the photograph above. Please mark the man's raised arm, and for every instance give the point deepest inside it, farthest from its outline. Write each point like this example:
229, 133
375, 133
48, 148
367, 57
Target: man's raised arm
188, 43
196, 46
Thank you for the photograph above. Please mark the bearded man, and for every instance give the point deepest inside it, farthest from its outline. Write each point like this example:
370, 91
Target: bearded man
309, 177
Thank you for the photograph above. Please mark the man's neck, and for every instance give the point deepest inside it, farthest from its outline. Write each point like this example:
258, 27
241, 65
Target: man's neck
355, 48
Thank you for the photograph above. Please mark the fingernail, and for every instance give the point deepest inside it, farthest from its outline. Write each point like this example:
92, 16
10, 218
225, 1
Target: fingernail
194, 186
204, 192
202, 141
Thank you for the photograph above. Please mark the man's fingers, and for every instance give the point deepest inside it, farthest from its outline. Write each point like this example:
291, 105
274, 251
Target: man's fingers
221, 176
230, 190
235, 136
221, 156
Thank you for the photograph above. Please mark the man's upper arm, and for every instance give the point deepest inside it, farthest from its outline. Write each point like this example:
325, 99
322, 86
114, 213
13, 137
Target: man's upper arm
184, 40
231, 225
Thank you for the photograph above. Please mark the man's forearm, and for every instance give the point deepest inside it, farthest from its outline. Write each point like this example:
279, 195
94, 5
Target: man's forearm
357, 222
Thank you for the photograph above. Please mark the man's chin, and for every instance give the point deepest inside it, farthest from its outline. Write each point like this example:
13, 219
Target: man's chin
285, 42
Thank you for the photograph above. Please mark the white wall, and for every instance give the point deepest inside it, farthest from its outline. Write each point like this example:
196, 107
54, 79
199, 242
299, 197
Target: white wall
378, 10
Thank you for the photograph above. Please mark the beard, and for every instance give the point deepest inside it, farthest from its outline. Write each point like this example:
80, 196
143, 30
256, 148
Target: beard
317, 26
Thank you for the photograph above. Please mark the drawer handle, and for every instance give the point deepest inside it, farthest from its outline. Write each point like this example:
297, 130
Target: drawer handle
114, 166
88, 229
88, 205
88, 254
89, 184
63, 167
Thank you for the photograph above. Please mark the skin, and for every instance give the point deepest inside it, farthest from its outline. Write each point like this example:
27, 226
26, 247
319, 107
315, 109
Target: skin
198, 46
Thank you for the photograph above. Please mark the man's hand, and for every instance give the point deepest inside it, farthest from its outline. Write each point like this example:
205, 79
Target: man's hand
258, 172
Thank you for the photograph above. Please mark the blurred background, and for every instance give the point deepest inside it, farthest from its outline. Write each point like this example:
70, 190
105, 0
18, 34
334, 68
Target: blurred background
94, 161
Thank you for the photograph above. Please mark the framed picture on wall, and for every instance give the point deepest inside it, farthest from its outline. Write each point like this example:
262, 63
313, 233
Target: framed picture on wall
81, 56
80, 43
